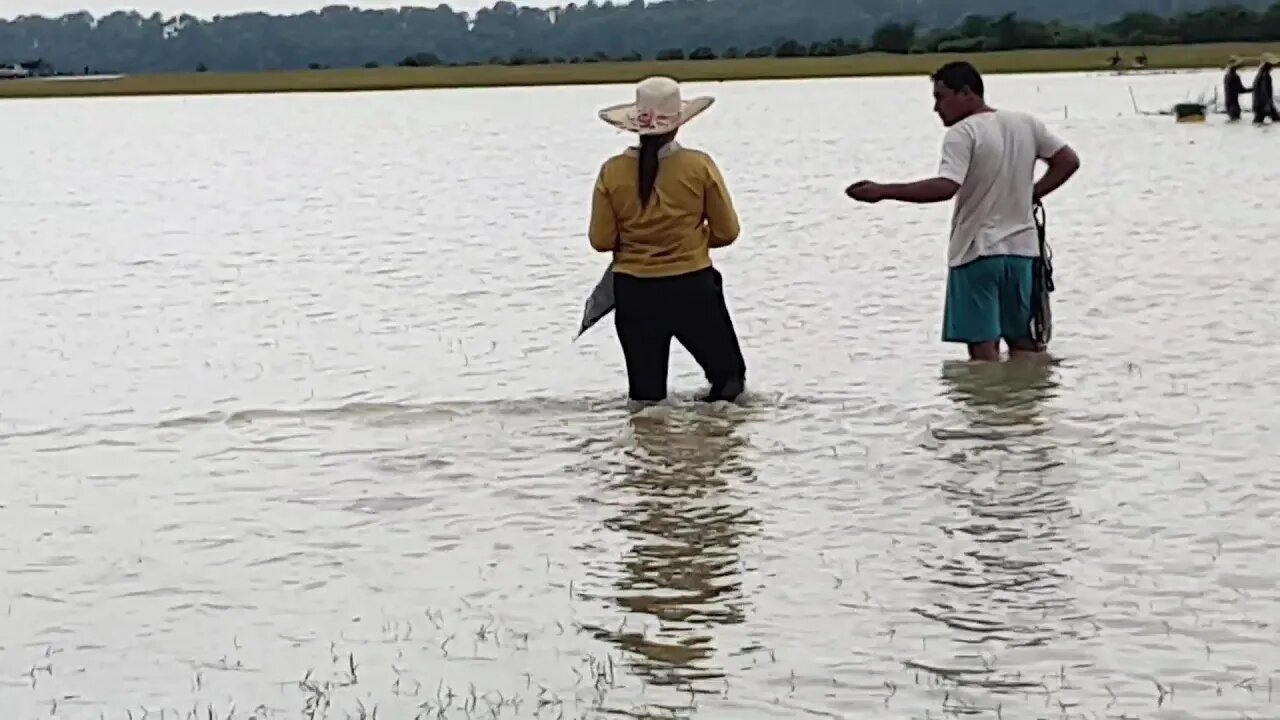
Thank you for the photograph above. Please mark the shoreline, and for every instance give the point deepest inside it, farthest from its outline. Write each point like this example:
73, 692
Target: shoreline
1163, 58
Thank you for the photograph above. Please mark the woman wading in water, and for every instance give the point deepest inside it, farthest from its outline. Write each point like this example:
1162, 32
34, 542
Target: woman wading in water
660, 208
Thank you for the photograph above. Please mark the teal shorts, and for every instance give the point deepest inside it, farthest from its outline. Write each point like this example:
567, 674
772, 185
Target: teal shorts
989, 299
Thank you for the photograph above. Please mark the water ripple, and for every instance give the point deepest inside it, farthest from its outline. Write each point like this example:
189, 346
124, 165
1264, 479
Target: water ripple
307, 428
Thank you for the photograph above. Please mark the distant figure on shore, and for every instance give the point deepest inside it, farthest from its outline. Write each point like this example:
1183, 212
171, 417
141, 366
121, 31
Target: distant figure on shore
659, 209
1141, 60
1264, 97
1115, 60
1233, 87
988, 166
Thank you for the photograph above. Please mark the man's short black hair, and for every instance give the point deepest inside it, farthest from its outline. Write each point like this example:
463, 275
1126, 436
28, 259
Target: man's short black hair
958, 76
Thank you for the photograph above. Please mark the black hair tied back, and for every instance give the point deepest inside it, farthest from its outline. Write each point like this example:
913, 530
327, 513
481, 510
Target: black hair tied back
649, 147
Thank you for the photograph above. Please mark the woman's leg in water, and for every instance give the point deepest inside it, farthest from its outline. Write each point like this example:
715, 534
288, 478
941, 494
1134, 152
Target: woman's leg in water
644, 332
704, 327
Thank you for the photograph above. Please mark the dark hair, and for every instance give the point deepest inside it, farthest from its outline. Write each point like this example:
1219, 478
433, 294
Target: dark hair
959, 76
649, 147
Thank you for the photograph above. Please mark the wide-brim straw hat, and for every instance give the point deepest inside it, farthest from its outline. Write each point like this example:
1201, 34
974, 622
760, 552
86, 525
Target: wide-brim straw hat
1269, 59
1234, 61
658, 108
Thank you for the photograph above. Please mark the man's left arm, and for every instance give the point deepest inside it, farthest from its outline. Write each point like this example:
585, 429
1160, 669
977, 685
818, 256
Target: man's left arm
1062, 160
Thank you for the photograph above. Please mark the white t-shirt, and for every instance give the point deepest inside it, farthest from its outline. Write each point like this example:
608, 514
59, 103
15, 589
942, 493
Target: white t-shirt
992, 156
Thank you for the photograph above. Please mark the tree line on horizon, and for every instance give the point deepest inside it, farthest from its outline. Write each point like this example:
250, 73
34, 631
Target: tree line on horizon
341, 36
975, 33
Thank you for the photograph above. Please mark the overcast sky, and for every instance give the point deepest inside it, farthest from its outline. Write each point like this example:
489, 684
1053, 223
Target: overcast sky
208, 8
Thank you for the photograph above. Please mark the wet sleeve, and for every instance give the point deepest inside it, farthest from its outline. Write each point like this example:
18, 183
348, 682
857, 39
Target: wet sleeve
957, 151
603, 229
722, 219
1047, 143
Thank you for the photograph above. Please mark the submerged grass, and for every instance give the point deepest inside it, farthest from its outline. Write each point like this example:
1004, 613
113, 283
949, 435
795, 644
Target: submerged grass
354, 685
605, 683
397, 78
952, 689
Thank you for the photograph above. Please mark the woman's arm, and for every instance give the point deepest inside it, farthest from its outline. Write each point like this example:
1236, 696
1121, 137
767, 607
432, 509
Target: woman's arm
722, 219
603, 228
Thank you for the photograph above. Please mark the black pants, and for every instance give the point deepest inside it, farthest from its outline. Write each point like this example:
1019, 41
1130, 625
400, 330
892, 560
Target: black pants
1265, 113
648, 312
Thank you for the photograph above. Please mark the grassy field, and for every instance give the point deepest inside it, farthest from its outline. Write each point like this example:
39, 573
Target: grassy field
397, 78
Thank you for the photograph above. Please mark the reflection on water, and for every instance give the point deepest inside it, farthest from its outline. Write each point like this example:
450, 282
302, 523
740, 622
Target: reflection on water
313, 401
1001, 401
997, 579
674, 488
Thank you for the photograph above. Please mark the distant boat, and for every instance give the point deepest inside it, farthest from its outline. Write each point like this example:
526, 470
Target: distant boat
1156, 71
68, 78
1191, 110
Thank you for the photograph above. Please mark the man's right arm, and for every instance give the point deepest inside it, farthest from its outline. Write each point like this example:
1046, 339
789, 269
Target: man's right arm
1063, 161
957, 154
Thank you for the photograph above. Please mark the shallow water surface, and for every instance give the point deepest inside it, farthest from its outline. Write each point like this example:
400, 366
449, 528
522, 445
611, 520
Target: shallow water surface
293, 426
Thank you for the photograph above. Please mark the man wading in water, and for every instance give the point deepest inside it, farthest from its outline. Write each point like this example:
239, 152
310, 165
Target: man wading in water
988, 166
1233, 87
1264, 100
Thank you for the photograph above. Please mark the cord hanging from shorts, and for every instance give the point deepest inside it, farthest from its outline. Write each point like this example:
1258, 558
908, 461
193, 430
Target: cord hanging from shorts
1046, 254
1041, 282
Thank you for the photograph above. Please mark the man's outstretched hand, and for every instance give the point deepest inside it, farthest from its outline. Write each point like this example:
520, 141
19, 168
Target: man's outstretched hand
865, 191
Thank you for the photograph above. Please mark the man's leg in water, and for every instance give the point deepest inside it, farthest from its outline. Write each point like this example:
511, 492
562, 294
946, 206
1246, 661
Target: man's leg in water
972, 312
1015, 306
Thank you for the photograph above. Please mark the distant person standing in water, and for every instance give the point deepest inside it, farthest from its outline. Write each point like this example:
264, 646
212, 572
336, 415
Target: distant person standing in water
660, 208
1264, 96
988, 167
1233, 87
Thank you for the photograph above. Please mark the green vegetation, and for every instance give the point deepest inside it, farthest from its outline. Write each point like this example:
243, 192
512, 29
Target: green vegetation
593, 33
403, 78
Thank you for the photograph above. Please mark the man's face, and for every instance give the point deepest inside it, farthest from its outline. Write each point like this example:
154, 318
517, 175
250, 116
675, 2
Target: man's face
951, 106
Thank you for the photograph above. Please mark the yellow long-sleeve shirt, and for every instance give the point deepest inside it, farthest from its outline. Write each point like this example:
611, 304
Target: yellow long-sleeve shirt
689, 213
